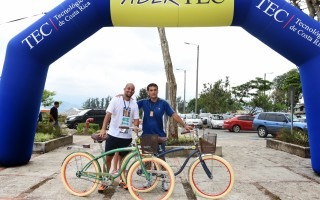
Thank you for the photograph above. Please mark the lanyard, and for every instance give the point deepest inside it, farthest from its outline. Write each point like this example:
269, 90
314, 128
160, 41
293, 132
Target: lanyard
124, 103
151, 105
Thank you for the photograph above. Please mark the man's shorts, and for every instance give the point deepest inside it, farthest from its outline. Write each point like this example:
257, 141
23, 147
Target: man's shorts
114, 143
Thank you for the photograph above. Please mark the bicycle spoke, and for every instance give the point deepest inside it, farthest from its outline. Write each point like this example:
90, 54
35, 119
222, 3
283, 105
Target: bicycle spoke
160, 185
216, 186
76, 182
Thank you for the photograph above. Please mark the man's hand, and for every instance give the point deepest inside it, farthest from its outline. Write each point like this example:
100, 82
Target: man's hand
136, 129
188, 128
102, 133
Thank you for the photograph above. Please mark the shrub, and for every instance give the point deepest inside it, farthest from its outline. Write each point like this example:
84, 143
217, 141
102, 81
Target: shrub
42, 137
182, 140
45, 128
92, 128
297, 137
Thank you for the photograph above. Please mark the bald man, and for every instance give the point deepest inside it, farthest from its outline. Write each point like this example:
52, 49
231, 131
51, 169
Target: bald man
122, 111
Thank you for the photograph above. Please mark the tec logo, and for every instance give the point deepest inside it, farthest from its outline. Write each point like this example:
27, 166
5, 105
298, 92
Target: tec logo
271, 9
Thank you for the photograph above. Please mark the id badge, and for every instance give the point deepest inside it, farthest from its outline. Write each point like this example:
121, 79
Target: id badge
151, 113
125, 121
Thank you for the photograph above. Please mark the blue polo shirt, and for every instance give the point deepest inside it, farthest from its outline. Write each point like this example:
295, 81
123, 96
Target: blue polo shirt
153, 113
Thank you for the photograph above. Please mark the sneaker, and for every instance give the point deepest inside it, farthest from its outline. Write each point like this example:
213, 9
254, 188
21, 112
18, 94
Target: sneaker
164, 185
147, 184
123, 185
102, 188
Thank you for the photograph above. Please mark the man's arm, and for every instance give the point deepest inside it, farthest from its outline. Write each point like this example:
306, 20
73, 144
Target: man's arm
136, 125
105, 124
178, 119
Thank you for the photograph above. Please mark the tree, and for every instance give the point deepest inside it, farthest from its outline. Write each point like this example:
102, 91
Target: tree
215, 98
172, 129
107, 102
142, 94
47, 97
312, 7
191, 105
282, 83
96, 103
252, 95
180, 103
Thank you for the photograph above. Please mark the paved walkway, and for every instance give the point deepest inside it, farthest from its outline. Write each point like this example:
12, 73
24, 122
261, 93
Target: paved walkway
261, 173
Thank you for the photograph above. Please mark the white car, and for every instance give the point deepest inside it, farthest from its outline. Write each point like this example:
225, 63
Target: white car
206, 119
216, 121
192, 120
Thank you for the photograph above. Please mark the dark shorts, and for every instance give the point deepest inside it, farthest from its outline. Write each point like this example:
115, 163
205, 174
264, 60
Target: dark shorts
114, 143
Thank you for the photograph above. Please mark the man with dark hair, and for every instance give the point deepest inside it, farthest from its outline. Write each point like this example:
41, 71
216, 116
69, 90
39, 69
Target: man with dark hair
54, 114
154, 110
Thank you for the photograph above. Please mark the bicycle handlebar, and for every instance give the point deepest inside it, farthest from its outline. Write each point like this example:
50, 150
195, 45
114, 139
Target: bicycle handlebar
189, 131
130, 127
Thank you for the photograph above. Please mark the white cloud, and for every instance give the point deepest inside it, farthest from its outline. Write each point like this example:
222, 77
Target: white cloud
105, 62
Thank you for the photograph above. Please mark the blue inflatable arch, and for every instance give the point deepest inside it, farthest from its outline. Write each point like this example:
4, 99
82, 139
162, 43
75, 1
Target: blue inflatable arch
278, 24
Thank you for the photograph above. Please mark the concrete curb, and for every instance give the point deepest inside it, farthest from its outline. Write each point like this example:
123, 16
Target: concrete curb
44, 147
301, 151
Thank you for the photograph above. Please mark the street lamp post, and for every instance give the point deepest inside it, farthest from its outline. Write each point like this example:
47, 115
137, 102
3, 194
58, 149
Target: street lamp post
196, 102
184, 91
264, 83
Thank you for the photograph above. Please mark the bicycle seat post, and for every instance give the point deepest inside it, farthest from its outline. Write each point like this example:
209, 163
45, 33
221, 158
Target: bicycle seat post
195, 135
101, 148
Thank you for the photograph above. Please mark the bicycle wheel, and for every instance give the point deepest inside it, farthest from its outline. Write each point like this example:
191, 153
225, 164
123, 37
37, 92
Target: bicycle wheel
76, 183
149, 185
160, 172
128, 158
222, 179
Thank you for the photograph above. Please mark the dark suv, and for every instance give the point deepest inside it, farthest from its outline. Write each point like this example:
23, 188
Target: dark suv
271, 123
97, 115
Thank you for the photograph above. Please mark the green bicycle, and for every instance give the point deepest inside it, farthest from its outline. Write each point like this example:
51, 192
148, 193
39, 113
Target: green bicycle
81, 173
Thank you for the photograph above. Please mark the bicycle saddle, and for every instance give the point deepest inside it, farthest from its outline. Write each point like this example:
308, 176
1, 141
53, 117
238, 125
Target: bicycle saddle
162, 139
98, 138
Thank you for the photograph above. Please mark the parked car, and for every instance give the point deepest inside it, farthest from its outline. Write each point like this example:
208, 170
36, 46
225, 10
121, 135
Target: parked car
303, 119
98, 115
206, 119
192, 120
216, 121
272, 122
241, 122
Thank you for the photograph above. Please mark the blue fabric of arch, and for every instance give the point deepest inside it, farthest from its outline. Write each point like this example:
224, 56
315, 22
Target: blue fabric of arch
276, 23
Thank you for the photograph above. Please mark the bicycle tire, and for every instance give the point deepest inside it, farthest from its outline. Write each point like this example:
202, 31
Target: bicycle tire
74, 184
221, 183
132, 160
150, 167
162, 173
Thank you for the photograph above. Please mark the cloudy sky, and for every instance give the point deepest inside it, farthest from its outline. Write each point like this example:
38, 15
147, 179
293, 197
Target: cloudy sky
101, 65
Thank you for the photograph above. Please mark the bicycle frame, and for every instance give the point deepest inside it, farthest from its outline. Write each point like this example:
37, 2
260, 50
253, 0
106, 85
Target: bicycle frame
101, 176
195, 149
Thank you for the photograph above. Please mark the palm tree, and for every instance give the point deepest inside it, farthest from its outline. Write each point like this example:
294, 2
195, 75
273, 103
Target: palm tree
172, 128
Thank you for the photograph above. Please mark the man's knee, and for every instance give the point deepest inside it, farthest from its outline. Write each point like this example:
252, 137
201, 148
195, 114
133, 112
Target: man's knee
109, 158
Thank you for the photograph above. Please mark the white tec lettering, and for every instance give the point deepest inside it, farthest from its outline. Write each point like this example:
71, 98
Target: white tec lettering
38, 35
271, 9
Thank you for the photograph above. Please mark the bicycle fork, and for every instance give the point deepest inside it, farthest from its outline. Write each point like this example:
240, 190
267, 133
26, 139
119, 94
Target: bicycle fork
206, 169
